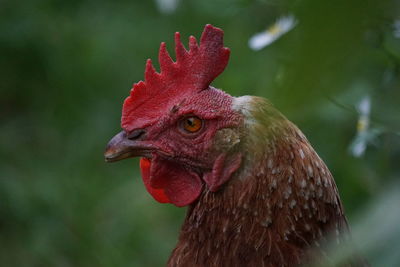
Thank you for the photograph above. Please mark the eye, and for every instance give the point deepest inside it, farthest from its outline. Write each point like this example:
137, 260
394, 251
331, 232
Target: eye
191, 124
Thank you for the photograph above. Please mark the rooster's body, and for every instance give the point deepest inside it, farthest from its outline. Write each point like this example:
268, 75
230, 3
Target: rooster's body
258, 194
280, 203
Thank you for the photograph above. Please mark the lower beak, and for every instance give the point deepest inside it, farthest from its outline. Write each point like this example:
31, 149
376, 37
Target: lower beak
120, 147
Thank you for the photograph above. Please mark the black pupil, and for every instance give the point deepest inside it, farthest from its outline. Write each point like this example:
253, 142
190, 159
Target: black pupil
190, 122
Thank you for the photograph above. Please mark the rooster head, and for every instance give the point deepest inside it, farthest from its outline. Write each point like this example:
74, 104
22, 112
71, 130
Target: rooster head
185, 131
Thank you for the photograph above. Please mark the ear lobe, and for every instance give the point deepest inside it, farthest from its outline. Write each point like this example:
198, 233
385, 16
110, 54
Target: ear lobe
223, 168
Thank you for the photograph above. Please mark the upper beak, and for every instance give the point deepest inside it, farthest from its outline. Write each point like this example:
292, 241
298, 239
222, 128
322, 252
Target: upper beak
120, 147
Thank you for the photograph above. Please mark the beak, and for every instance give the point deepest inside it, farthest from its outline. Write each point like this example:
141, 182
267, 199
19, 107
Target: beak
120, 147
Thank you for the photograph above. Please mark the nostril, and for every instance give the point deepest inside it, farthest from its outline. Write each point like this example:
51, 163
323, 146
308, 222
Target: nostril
136, 134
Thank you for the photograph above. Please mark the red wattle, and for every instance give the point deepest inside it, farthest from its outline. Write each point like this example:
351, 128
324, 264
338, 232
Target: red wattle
158, 194
169, 182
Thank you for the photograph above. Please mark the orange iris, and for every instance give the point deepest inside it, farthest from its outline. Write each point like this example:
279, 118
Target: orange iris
192, 124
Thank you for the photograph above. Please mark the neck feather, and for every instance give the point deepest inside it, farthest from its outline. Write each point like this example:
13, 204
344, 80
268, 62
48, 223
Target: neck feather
282, 201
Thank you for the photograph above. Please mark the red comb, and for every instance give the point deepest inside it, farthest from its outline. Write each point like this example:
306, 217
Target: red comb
192, 72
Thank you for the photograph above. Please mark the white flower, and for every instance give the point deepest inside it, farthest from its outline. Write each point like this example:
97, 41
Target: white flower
359, 143
396, 28
167, 6
364, 134
272, 33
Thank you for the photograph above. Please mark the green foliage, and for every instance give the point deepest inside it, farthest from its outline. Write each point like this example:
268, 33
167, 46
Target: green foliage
67, 66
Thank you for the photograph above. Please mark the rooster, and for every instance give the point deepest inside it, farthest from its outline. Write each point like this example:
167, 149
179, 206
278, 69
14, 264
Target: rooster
257, 192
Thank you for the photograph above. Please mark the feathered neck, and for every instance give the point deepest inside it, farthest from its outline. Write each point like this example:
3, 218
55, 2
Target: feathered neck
281, 203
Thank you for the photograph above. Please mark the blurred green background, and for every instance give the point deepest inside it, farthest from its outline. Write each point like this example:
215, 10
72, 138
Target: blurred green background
66, 67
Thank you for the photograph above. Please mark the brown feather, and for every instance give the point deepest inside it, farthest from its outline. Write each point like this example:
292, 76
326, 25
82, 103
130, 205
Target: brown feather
277, 211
